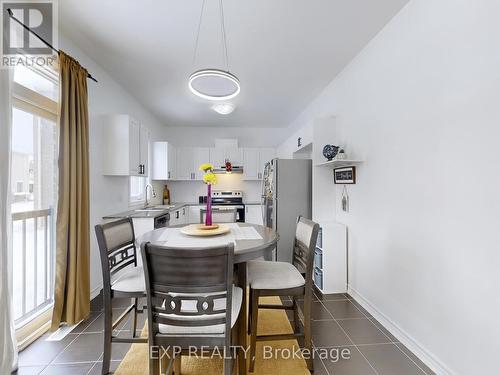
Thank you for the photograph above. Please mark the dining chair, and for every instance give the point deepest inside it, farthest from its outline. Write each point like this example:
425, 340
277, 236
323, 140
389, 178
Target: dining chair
192, 300
122, 278
220, 216
285, 279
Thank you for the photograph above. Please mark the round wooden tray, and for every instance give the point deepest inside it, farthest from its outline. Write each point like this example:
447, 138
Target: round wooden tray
194, 230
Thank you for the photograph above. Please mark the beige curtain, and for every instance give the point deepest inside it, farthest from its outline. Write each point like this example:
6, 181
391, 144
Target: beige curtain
72, 283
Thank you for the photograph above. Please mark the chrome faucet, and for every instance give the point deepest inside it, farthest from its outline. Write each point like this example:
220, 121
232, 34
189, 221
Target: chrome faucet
153, 194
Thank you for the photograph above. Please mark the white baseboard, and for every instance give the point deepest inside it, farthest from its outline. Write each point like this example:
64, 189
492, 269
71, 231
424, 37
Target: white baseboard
95, 292
414, 346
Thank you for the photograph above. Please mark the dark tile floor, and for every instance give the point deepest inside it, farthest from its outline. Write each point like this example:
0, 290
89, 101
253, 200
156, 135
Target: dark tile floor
356, 344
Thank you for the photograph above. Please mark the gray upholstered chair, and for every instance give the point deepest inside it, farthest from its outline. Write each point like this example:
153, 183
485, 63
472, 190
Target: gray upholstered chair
285, 279
220, 216
122, 278
191, 298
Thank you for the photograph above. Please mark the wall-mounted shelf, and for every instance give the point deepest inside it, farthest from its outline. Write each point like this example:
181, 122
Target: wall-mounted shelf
337, 163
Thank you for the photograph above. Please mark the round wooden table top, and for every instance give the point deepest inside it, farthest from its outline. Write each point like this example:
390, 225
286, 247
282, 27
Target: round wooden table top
244, 249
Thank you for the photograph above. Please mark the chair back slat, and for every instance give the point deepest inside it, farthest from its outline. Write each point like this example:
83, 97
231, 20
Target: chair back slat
117, 249
306, 235
187, 287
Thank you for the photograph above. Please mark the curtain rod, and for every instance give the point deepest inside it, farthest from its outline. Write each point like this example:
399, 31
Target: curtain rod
11, 15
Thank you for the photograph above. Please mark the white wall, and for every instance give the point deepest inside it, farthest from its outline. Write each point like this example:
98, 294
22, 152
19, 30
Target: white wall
420, 106
107, 194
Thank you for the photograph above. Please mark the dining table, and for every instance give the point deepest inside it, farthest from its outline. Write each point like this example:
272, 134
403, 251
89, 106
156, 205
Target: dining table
251, 241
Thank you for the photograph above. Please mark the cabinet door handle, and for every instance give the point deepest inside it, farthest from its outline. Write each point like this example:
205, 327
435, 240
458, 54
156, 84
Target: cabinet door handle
168, 174
139, 169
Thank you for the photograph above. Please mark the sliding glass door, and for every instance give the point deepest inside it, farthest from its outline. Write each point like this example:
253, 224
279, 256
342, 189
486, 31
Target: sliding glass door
33, 198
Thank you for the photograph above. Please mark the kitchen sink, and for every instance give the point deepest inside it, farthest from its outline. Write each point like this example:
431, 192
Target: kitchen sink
150, 210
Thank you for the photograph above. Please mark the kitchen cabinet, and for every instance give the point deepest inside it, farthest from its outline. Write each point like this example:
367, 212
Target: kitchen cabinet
189, 160
164, 161
194, 214
219, 155
254, 160
253, 214
251, 164
178, 217
126, 143
201, 155
185, 163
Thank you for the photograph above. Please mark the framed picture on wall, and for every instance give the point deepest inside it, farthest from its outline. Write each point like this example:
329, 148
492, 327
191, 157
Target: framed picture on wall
346, 175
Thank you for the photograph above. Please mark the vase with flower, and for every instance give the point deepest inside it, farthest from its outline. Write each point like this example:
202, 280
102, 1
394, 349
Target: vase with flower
210, 179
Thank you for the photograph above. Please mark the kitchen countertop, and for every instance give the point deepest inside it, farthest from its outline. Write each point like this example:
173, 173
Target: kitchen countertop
150, 214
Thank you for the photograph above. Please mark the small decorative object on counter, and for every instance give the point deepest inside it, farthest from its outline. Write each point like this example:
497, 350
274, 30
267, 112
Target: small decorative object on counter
166, 195
210, 179
330, 151
341, 155
229, 167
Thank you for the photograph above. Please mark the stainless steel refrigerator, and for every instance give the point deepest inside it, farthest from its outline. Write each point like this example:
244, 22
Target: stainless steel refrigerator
286, 194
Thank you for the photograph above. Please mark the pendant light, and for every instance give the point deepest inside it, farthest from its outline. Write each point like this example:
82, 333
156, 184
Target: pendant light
211, 83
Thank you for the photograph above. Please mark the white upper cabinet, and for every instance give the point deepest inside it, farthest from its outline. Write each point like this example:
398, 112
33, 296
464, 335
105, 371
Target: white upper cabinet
217, 157
144, 149
201, 155
234, 155
126, 146
185, 163
251, 163
254, 160
178, 163
164, 161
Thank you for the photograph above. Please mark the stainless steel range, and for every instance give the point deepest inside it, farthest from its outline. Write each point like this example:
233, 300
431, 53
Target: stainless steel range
230, 200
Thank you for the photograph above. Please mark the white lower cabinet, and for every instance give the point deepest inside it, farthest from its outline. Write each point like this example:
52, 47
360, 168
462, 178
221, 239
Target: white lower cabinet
194, 214
253, 214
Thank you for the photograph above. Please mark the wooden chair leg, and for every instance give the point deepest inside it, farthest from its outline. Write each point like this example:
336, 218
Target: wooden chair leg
134, 318
177, 364
307, 329
108, 332
154, 366
296, 319
253, 335
250, 312
228, 366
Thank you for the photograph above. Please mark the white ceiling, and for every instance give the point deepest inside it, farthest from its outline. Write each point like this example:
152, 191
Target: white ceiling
283, 51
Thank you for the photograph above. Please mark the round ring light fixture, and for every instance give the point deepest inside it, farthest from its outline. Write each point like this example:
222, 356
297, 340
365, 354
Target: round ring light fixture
214, 84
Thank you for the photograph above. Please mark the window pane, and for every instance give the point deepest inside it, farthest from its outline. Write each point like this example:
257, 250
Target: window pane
137, 185
36, 82
34, 198
34, 162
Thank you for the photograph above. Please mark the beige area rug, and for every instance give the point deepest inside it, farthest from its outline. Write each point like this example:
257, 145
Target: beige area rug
270, 322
